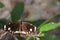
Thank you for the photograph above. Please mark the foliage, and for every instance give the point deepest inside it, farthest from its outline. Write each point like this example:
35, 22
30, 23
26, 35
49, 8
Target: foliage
37, 38
17, 11
49, 26
20, 38
1, 5
28, 38
36, 23
51, 37
3, 22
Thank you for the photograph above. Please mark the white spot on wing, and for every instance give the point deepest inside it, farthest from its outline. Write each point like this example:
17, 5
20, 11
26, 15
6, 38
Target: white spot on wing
27, 32
30, 24
16, 32
4, 27
34, 28
9, 28
30, 29
20, 32
23, 32
9, 23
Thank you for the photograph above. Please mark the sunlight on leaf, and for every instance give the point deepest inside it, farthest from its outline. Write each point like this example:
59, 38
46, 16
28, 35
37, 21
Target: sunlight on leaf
49, 26
37, 38
41, 34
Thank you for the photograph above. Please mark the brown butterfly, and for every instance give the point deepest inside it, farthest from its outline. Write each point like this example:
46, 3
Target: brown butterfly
21, 29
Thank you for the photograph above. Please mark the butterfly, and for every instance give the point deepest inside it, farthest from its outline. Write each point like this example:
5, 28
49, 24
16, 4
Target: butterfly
22, 29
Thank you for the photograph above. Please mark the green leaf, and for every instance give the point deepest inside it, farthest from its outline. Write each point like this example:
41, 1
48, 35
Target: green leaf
28, 38
41, 35
49, 26
17, 11
3, 22
1, 5
49, 19
51, 37
37, 38
36, 23
20, 38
